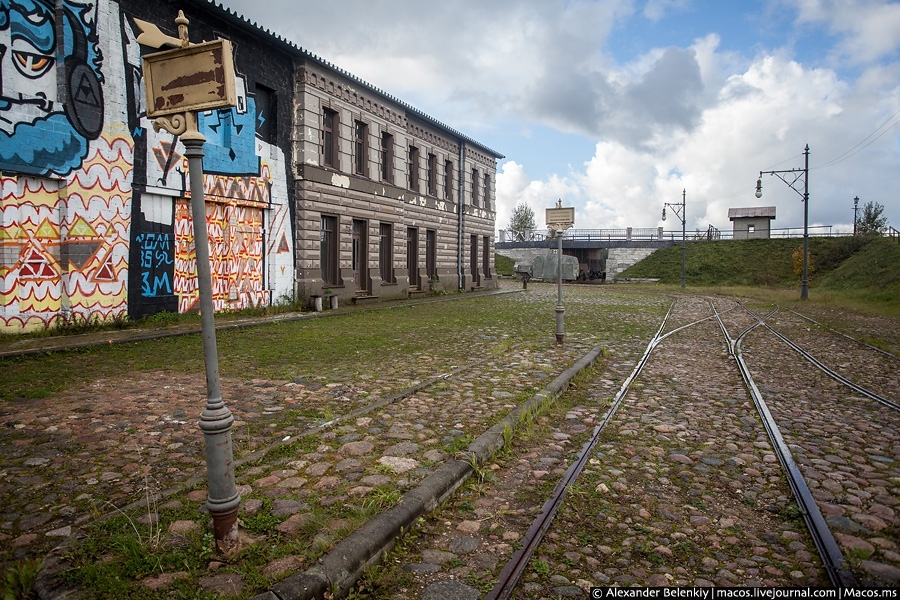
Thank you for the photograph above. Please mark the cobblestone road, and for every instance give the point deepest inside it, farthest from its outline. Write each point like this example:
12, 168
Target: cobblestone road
682, 490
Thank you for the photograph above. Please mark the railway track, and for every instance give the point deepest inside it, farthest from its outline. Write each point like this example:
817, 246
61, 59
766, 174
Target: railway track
704, 468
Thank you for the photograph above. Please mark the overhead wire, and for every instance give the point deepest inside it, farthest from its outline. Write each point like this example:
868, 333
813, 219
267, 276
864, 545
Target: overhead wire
862, 145
859, 147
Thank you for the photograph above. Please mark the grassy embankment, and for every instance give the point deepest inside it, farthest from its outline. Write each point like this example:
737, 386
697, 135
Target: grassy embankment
862, 273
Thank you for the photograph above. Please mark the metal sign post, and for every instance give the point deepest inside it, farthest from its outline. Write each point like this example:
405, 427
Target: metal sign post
559, 219
178, 84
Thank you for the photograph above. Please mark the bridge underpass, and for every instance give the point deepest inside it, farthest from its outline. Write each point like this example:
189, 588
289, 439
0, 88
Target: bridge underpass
602, 253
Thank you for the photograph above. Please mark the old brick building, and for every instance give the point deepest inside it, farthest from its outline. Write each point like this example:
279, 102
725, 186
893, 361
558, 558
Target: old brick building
316, 181
389, 200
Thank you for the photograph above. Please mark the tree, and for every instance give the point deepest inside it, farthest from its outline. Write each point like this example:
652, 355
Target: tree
872, 221
521, 224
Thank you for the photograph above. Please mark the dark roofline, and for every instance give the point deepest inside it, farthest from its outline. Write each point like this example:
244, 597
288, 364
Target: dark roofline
294, 50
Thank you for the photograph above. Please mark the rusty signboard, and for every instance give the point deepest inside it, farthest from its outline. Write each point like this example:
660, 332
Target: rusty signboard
196, 78
560, 217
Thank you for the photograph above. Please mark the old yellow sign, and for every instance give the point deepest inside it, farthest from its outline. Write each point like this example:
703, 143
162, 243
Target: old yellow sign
197, 78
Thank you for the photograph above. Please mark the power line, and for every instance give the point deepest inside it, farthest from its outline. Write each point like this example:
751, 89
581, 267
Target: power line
862, 145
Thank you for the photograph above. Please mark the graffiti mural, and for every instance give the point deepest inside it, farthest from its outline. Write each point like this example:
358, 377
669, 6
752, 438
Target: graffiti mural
247, 211
235, 223
66, 169
45, 128
64, 247
93, 212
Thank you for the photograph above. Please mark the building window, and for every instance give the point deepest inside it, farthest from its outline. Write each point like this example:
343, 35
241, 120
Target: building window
386, 252
751, 228
475, 187
487, 191
328, 250
361, 148
486, 257
432, 174
414, 168
329, 138
448, 180
387, 157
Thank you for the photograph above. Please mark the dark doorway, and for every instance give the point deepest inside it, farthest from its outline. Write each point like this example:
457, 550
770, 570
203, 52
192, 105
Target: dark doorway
431, 253
473, 260
412, 256
360, 255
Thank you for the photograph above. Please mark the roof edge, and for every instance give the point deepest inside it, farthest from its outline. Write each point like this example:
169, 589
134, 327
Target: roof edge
297, 51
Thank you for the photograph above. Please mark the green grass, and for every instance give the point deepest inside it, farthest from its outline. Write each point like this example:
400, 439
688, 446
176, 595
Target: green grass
503, 265
858, 271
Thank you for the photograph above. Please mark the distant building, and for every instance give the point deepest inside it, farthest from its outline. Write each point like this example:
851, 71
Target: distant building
752, 222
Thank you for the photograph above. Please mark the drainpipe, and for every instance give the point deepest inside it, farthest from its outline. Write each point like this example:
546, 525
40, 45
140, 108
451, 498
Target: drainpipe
461, 188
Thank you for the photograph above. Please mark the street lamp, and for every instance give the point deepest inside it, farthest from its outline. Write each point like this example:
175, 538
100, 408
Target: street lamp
855, 220
681, 215
804, 195
559, 219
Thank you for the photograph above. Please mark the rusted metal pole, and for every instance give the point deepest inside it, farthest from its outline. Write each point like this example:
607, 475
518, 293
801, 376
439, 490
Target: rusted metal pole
560, 309
215, 420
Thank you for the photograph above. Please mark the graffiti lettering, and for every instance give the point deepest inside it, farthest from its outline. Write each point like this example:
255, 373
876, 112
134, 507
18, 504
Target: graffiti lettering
160, 282
157, 258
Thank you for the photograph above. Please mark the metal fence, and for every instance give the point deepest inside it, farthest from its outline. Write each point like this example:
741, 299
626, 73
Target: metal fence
658, 233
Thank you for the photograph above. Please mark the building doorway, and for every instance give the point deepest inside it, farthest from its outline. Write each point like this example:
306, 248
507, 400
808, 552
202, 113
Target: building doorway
412, 256
359, 256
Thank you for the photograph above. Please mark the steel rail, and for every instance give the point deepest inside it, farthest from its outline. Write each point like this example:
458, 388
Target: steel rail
826, 545
849, 337
511, 573
828, 371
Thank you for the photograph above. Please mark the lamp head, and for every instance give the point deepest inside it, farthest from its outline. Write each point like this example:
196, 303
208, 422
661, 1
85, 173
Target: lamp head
664, 214
759, 188
856, 201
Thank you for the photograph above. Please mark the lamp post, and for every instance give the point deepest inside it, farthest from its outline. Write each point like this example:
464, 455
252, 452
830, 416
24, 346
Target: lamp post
855, 219
165, 74
559, 219
804, 195
681, 215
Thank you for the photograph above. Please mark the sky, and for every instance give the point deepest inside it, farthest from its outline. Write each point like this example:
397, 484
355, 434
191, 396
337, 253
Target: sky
618, 107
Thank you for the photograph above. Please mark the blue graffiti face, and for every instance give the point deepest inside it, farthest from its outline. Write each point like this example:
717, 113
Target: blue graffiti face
41, 132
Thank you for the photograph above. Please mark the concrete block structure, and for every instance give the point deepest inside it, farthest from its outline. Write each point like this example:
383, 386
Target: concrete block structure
752, 222
315, 181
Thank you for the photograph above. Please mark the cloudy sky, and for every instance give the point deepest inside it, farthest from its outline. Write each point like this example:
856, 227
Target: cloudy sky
616, 106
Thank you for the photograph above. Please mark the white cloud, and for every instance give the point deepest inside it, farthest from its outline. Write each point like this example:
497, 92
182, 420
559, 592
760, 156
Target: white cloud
868, 29
698, 118
514, 187
762, 120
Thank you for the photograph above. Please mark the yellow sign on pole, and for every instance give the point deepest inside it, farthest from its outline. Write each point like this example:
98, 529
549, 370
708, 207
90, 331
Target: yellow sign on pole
560, 218
199, 77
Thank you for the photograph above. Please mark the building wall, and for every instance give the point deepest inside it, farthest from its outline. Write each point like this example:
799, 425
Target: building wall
338, 190
761, 228
94, 213
93, 219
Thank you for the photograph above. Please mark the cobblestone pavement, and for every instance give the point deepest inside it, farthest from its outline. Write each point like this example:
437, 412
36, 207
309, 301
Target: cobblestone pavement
683, 488
343, 438
682, 491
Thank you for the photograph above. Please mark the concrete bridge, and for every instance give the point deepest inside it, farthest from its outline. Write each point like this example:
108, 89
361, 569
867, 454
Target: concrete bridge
602, 253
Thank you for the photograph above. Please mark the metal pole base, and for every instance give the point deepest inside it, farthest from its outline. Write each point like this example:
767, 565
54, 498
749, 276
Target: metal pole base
560, 331
225, 531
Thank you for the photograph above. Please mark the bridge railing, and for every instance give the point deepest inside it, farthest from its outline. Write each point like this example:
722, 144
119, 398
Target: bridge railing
658, 233
893, 234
